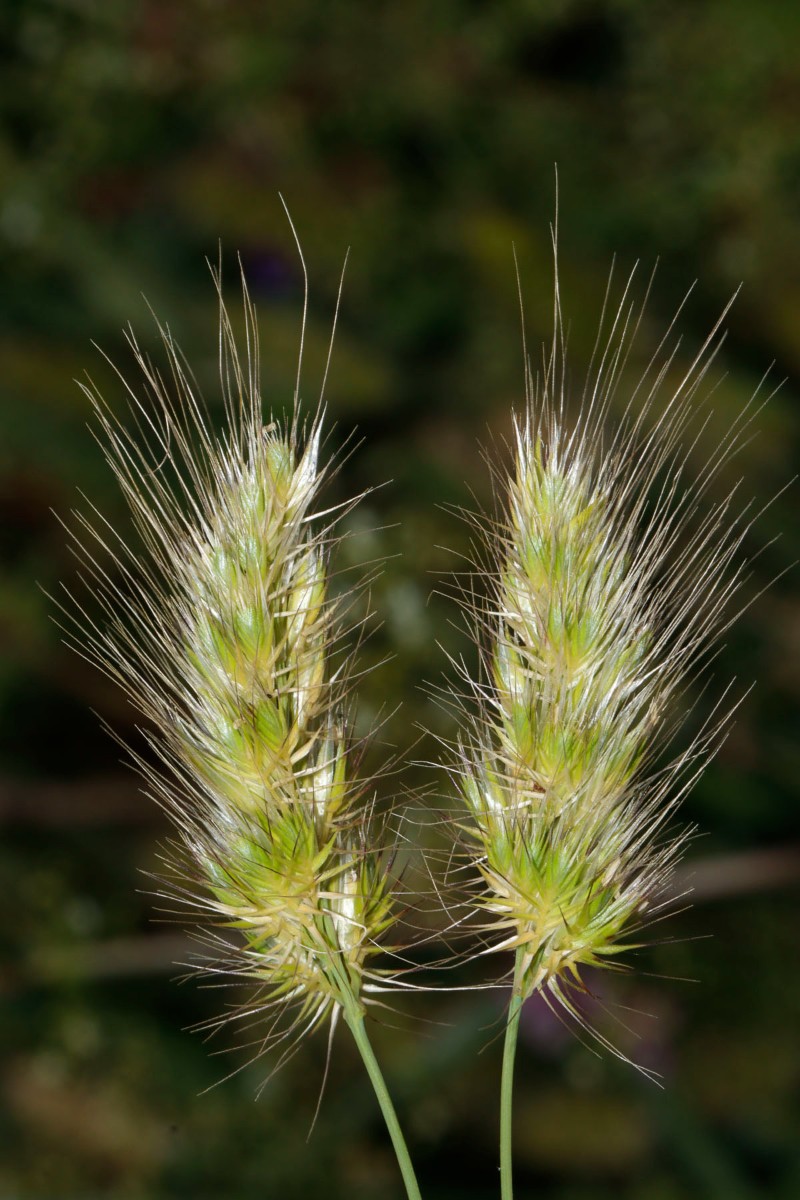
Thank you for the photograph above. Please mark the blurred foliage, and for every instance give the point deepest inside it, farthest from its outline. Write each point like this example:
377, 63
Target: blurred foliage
135, 138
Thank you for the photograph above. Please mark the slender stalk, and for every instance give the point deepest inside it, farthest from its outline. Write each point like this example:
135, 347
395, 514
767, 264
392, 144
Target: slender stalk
355, 1020
507, 1082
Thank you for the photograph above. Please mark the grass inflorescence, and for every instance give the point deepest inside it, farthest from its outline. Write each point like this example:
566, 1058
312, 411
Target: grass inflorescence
599, 592
221, 630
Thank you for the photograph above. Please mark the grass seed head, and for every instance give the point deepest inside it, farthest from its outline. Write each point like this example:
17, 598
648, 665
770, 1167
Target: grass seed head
224, 635
606, 581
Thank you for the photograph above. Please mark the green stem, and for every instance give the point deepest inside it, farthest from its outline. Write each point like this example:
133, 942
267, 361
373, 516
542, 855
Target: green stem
507, 1081
355, 1020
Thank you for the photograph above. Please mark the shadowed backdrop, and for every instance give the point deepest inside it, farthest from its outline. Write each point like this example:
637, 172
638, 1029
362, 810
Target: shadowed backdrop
136, 139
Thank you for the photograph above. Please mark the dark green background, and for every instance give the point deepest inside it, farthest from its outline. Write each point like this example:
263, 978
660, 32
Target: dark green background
133, 138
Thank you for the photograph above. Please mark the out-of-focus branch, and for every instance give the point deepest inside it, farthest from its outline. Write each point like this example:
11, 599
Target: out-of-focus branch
722, 877
100, 800
728, 875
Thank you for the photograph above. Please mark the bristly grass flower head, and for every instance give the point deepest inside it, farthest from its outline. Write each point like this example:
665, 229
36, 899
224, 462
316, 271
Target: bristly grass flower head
599, 592
223, 633
601, 589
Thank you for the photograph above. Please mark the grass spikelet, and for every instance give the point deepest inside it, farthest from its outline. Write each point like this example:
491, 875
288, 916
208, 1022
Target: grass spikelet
606, 581
224, 635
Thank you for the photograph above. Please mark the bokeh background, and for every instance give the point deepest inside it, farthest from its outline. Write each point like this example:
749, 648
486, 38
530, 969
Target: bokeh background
135, 137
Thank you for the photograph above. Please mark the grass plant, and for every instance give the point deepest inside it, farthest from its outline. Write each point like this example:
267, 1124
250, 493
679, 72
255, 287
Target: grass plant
220, 627
599, 591
601, 587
